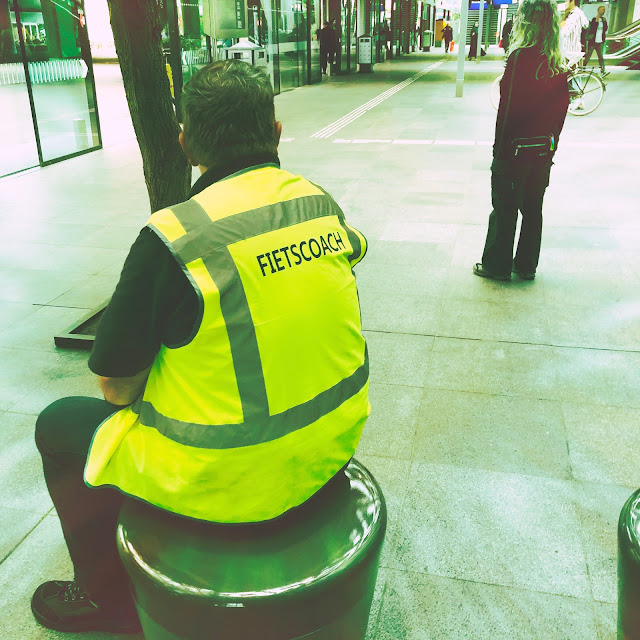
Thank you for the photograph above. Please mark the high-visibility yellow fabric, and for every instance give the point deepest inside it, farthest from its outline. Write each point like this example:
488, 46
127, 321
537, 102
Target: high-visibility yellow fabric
215, 435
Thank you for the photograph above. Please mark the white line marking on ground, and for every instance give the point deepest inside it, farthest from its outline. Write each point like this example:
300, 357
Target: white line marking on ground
334, 127
358, 141
413, 142
456, 143
287, 139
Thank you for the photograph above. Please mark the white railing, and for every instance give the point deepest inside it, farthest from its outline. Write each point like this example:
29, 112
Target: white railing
43, 72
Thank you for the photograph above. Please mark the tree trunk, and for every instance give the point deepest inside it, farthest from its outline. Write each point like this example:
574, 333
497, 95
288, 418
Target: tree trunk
137, 33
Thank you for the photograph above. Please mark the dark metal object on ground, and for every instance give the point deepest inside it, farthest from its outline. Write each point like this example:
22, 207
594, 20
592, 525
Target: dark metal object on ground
82, 333
309, 574
629, 569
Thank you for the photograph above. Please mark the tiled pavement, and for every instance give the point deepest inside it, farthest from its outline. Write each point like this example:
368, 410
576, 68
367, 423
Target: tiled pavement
505, 415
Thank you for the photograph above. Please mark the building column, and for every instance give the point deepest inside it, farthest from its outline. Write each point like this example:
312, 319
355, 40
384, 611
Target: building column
623, 14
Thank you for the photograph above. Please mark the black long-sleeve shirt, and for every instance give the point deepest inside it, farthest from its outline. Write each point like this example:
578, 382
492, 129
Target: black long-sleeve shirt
538, 105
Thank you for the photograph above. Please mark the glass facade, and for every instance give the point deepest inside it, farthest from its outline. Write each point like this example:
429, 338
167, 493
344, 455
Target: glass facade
47, 91
288, 31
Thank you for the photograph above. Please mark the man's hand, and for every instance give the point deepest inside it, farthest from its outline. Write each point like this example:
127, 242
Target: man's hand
122, 391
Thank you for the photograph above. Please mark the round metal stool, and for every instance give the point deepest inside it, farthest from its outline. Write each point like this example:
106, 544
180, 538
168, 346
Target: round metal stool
629, 569
309, 574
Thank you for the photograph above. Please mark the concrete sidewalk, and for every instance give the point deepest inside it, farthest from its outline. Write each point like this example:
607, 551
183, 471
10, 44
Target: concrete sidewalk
505, 416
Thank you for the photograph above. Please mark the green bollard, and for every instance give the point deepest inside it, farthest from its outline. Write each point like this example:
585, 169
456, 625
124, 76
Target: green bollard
309, 574
629, 569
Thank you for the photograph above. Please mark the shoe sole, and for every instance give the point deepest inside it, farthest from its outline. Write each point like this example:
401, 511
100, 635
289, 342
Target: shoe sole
107, 626
490, 276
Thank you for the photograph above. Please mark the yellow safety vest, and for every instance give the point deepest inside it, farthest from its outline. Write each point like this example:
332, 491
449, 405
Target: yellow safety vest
268, 398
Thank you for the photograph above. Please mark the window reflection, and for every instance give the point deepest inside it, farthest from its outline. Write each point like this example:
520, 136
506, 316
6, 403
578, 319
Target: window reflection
17, 136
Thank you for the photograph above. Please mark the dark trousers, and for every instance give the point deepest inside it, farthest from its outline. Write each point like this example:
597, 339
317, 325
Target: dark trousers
524, 191
64, 431
326, 57
591, 45
88, 516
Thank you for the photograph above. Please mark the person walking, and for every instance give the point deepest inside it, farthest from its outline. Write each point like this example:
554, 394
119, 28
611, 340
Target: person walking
447, 36
231, 357
534, 97
596, 37
473, 48
328, 46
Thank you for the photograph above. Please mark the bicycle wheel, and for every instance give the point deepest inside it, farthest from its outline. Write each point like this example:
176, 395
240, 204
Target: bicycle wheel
494, 92
586, 90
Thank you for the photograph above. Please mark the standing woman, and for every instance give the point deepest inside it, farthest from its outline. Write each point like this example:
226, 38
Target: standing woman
534, 97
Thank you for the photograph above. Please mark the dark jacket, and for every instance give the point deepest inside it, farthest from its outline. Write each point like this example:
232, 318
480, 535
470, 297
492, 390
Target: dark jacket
506, 33
328, 39
447, 33
593, 28
538, 105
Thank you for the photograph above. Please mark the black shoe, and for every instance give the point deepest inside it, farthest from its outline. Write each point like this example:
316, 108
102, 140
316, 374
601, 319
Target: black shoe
524, 275
63, 606
479, 270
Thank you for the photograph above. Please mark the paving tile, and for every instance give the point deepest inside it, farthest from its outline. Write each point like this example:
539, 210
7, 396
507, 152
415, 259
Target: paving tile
13, 312
391, 427
34, 286
606, 616
598, 377
57, 258
614, 325
504, 320
374, 612
402, 279
36, 331
70, 376
430, 255
89, 294
399, 313
392, 475
22, 371
41, 557
112, 237
574, 290
420, 607
507, 529
400, 359
46, 232
21, 477
603, 443
495, 433
492, 367
16, 524
598, 507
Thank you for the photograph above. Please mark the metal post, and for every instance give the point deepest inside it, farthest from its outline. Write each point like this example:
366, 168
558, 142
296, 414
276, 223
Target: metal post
462, 47
479, 47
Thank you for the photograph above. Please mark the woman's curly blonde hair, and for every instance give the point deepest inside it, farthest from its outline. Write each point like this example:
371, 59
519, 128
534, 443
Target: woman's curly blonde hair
537, 25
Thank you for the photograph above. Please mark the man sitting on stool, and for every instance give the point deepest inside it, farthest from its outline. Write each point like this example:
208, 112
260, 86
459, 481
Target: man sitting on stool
231, 356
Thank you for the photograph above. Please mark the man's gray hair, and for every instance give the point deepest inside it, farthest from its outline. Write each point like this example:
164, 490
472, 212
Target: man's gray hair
228, 112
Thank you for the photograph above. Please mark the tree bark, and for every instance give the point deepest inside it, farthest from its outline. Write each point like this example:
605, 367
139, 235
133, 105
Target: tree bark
137, 33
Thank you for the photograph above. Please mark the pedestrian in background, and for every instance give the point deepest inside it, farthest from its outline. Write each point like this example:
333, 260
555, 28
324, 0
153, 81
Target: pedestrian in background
534, 97
473, 48
595, 38
328, 46
574, 24
447, 36
506, 34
